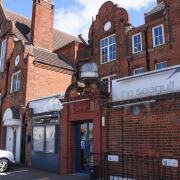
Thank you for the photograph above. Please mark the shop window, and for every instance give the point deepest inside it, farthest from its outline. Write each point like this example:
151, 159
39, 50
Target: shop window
44, 139
38, 139
161, 65
16, 82
158, 35
3, 54
108, 49
137, 43
50, 139
108, 82
138, 71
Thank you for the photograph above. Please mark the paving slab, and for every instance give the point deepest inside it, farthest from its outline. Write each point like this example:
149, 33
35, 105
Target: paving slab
34, 174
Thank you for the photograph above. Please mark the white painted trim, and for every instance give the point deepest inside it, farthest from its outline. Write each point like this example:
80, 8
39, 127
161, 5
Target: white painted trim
161, 25
69, 102
12, 77
133, 42
134, 104
2, 59
108, 49
109, 80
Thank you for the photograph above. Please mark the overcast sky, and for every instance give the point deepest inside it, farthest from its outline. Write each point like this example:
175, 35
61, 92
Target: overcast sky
74, 16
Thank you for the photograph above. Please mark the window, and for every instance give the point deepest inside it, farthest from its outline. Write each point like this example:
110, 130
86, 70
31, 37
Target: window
137, 43
44, 139
161, 65
138, 71
158, 35
108, 81
17, 60
16, 82
3, 54
108, 49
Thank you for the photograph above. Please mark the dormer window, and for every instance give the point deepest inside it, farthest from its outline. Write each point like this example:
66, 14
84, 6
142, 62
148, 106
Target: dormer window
3, 54
16, 82
158, 35
108, 49
137, 43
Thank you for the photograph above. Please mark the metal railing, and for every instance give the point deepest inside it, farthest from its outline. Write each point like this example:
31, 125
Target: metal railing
131, 167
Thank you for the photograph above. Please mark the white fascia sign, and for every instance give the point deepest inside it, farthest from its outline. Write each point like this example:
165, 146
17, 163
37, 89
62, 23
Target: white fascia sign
152, 83
46, 105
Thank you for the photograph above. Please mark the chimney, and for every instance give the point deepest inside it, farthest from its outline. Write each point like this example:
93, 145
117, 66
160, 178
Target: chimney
42, 24
159, 1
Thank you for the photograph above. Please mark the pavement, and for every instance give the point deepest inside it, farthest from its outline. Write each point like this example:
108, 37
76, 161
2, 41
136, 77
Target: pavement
34, 174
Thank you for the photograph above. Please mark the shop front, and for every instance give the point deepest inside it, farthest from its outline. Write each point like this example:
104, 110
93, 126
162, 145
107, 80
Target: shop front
45, 152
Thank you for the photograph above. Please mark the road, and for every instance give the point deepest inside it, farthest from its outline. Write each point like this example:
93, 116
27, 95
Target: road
33, 174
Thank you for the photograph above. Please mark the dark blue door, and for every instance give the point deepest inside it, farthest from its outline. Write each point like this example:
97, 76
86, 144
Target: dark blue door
84, 133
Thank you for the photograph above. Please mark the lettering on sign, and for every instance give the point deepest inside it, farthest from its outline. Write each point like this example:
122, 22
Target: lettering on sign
170, 162
150, 84
113, 158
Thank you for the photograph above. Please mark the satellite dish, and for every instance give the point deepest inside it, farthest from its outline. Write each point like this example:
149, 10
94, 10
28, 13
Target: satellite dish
89, 70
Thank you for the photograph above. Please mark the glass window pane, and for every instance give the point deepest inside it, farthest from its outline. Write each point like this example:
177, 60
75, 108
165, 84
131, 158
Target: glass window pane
50, 139
106, 42
139, 71
38, 139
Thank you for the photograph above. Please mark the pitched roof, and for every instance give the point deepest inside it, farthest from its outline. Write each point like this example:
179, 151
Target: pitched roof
158, 8
48, 58
23, 30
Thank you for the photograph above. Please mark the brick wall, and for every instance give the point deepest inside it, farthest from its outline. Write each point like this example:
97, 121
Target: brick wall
42, 82
154, 133
126, 62
42, 24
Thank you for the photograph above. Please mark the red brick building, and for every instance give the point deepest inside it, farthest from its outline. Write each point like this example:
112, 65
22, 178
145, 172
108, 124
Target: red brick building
121, 113
31, 67
138, 123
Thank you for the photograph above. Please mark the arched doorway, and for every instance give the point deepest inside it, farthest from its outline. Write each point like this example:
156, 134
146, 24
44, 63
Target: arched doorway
12, 121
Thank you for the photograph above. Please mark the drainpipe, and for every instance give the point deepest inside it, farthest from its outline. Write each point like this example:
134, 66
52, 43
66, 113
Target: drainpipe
146, 49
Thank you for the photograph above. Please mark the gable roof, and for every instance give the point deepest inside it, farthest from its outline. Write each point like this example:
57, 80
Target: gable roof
23, 30
158, 8
48, 58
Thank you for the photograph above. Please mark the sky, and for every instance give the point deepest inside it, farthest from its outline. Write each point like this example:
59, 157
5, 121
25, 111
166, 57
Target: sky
75, 16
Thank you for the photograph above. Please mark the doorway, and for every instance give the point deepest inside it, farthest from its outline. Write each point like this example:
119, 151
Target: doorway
84, 132
10, 139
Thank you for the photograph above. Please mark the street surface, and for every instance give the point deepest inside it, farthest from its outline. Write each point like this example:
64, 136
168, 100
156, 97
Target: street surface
34, 174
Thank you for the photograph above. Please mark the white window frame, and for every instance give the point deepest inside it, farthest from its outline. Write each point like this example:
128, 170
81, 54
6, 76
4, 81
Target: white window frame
163, 35
12, 79
109, 81
2, 58
108, 49
133, 36
138, 69
159, 63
